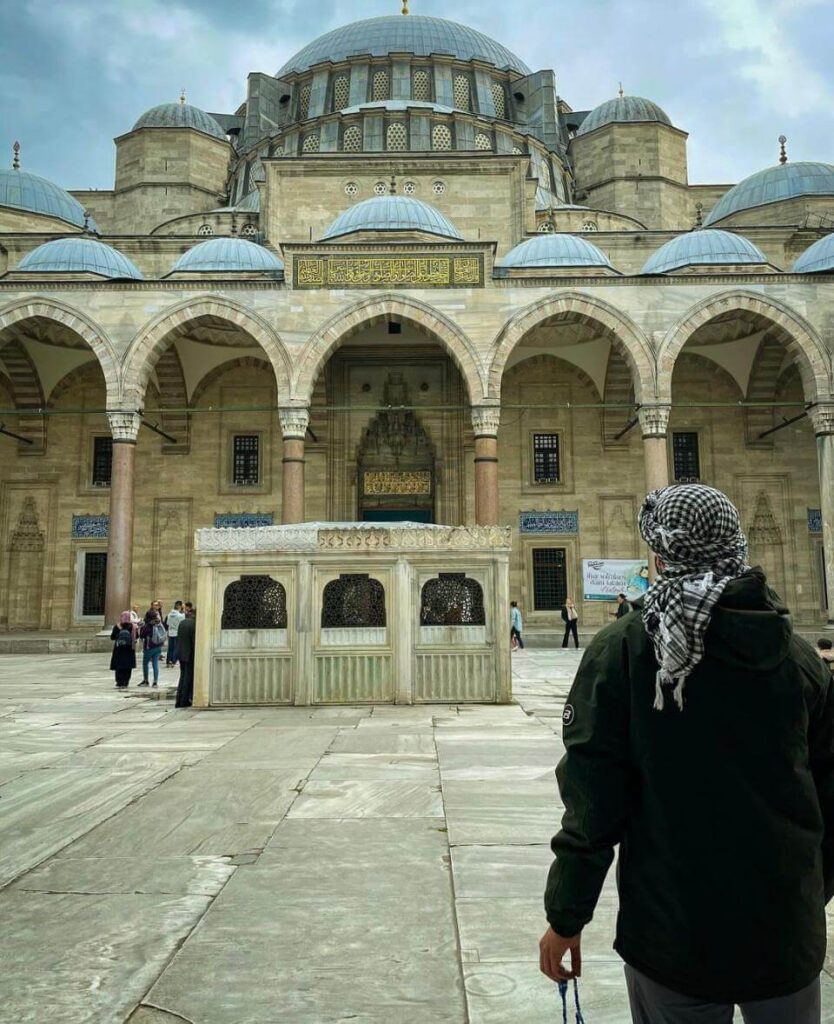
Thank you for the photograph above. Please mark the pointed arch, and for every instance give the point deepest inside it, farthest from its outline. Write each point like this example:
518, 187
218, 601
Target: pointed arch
205, 382
625, 335
794, 332
542, 360
323, 342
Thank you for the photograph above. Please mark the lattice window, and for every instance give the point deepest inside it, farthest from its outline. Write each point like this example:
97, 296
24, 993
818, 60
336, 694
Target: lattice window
421, 85
352, 139
441, 137
438, 188
352, 601
589, 225
550, 583
396, 136
249, 230
545, 227
380, 88
546, 469
498, 99
483, 141
452, 600
686, 456
409, 188
380, 189
205, 229
311, 143
517, 151
254, 602
341, 92
246, 460
95, 575
304, 102
461, 92
102, 461
351, 189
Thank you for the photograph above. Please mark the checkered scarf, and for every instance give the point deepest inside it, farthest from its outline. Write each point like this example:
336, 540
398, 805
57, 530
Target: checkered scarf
696, 531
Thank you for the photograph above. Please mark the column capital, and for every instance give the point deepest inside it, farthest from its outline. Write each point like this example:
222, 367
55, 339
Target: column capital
485, 420
654, 420
822, 417
124, 425
294, 422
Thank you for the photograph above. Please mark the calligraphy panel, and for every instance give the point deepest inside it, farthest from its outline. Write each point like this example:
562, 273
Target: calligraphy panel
418, 482
415, 271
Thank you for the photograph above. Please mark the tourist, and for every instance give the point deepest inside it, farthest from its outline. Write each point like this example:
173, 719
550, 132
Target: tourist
571, 621
623, 607
699, 736
824, 650
123, 658
515, 627
135, 617
175, 617
186, 640
152, 633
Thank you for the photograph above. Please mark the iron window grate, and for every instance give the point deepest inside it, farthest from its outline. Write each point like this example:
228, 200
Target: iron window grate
685, 455
546, 461
550, 585
246, 460
95, 577
102, 461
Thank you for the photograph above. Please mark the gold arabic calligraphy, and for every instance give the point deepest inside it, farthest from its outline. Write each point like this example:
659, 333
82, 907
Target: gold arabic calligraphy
387, 271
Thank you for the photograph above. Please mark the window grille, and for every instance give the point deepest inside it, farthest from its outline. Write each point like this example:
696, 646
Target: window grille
409, 188
461, 92
438, 188
545, 227
550, 585
380, 86
102, 461
205, 229
249, 230
341, 92
380, 189
546, 458
498, 99
254, 602
304, 102
310, 144
483, 141
246, 460
351, 601
517, 151
589, 225
351, 188
421, 85
441, 137
396, 137
452, 600
95, 576
685, 455
352, 140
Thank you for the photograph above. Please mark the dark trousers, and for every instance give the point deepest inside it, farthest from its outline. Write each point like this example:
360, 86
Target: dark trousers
515, 633
185, 688
570, 629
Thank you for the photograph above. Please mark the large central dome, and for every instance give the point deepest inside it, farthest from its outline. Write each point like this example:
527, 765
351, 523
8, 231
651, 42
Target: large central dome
394, 33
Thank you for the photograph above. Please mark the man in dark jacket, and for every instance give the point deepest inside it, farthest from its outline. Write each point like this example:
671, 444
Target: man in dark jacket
699, 736
186, 641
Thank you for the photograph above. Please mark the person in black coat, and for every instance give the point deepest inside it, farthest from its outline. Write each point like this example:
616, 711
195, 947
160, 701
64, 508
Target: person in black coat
123, 659
185, 652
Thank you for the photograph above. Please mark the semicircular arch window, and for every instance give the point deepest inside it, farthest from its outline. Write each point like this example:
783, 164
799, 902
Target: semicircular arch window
205, 229
249, 230
304, 101
396, 136
380, 89
352, 139
441, 137
451, 599
310, 144
461, 92
353, 601
483, 141
341, 92
421, 85
499, 99
254, 602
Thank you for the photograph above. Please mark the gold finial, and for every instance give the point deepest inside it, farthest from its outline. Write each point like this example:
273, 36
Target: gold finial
783, 156
16, 157
621, 90
405, 7
182, 96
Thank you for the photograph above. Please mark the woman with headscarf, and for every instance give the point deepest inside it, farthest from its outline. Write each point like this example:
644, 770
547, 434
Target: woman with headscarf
123, 658
570, 617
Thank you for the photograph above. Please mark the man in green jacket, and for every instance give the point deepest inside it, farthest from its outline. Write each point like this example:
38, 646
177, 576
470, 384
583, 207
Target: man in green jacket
699, 737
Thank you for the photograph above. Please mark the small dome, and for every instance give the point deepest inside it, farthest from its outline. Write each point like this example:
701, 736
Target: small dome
392, 33
703, 248
78, 256
774, 185
180, 115
228, 256
554, 250
392, 213
623, 109
817, 258
24, 191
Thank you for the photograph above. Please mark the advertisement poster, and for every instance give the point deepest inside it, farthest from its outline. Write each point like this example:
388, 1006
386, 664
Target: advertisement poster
604, 578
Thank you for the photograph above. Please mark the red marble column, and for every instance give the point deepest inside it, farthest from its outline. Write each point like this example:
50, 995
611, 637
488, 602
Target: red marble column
124, 426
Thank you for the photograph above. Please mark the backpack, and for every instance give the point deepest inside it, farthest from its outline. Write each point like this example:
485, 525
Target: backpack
157, 635
125, 638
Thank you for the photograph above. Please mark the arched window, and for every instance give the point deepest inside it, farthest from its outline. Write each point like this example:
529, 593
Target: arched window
353, 601
483, 141
380, 86
205, 229
341, 92
589, 225
461, 92
249, 230
498, 99
304, 102
421, 85
441, 137
396, 137
311, 143
254, 602
452, 600
352, 140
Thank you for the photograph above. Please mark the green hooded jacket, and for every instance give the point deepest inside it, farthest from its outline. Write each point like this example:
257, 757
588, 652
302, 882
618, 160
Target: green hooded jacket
723, 812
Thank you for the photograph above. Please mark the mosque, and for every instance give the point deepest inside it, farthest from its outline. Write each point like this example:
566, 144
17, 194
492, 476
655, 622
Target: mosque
406, 280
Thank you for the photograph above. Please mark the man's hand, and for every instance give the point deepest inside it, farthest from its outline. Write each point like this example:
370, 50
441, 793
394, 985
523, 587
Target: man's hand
552, 949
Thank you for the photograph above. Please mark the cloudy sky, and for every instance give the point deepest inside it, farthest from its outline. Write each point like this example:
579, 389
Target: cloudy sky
734, 73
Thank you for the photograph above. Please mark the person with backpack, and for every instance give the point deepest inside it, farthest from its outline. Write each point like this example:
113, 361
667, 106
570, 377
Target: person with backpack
153, 640
123, 659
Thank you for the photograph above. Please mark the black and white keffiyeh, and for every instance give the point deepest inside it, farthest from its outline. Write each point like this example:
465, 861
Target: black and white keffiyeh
696, 532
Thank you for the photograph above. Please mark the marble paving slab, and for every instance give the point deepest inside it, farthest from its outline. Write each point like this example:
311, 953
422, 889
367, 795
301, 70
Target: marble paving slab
508, 871
368, 800
387, 741
376, 767
274, 747
176, 876
501, 813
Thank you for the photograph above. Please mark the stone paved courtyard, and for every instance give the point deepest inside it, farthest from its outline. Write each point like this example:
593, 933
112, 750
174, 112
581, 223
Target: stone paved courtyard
301, 866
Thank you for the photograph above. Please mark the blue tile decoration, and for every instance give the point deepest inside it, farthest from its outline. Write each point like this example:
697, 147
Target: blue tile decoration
237, 520
814, 520
85, 527
548, 522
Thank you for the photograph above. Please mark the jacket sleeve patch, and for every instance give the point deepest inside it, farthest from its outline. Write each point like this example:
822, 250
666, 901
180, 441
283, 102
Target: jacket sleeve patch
568, 714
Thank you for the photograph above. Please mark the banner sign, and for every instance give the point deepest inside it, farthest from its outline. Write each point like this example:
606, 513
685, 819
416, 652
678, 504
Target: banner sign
604, 578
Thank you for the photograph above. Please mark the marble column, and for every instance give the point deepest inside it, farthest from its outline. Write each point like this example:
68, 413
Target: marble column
124, 427
485, 420
294, 422
654, 422
822, 416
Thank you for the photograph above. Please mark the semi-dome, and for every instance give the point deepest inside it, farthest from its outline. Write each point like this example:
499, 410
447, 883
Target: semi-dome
78, 256
228, 256
817, 258
703, 248
554, 250
417, 34
180, 115
775, 185
392, 213
24, 191
623, 109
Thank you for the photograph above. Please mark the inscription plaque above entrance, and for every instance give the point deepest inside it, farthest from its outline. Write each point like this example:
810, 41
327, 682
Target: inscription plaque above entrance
417, 271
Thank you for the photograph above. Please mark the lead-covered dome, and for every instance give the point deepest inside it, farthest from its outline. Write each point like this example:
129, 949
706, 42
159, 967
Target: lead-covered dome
21, 190
704, 248
817, 258
554, 250
392, 213
417, 34
180, 115
774, 185
623, 109
79, 256
228, 256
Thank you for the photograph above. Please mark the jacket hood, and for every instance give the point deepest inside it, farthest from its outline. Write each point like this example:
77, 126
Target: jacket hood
750, 626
